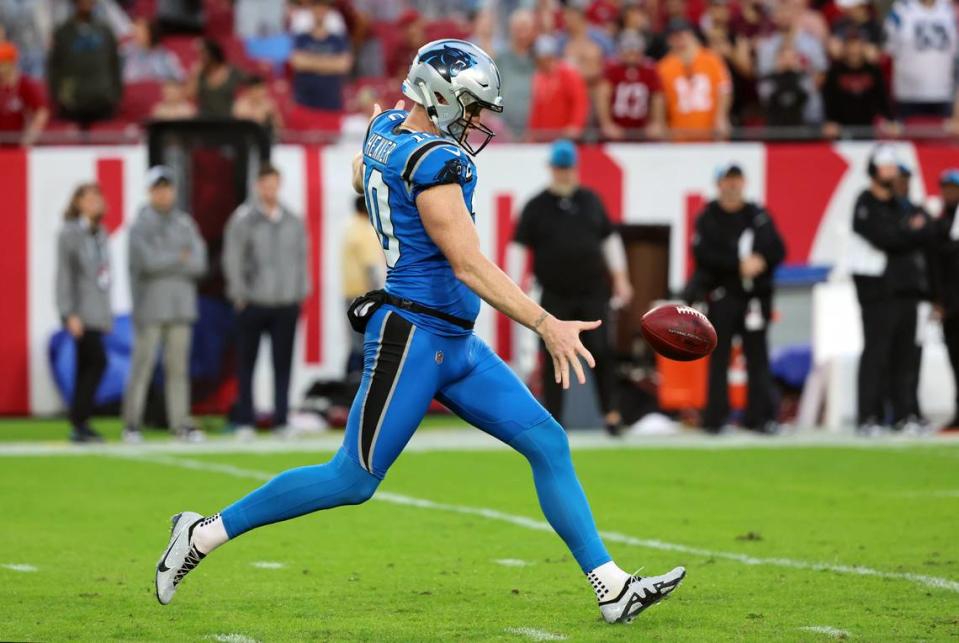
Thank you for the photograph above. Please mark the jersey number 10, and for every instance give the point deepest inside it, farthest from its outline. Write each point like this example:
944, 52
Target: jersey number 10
378, 205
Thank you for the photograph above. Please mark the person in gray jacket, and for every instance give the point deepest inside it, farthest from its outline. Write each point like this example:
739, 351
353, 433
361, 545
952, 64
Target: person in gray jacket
83, 299
265, 261
167, 256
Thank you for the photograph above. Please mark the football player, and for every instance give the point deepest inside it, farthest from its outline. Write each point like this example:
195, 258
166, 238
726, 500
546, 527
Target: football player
418, 177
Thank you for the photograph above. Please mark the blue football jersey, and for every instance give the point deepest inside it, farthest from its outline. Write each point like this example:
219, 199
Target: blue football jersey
399, 165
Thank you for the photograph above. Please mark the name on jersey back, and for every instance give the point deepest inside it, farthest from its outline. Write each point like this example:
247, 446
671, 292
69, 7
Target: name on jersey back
379, 148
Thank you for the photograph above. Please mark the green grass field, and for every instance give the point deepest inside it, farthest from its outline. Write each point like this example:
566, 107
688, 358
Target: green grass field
771, 538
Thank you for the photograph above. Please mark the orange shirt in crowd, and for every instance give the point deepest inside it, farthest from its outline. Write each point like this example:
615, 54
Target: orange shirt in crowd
559, 100
692, 93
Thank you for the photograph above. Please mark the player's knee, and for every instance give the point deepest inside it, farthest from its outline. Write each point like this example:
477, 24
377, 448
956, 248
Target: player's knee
361, 490
546, 440
360, 483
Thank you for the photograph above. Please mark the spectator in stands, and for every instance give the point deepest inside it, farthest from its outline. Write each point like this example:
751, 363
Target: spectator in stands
167, 256
83, 69
516, 67
481, 29
576, 253
145, 59
362, 269
752, 19
256, 104
857, 15
696, 86
257, 19
23, 114
807, 19
604, 15
174, 104
27, 25
785, 93
83, 300
580, 33
792, 45
320, 61
855, 89
582, 48
108, 12
635, 17
737, 51
737, 248
629, 99
560, 102
411, 27
922, 39
214, 82
266, 265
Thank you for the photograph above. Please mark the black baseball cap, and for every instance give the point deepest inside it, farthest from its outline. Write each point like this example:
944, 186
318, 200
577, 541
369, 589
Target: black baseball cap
678, 25
728, 170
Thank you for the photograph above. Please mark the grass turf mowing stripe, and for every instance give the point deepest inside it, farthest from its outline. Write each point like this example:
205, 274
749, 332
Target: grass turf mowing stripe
935, 582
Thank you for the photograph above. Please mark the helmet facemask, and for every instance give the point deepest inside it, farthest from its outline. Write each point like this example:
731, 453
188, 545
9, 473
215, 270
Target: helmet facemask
469, 126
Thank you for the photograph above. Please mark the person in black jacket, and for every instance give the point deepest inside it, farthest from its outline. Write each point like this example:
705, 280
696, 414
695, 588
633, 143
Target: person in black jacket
854, 92
736, 248
580, 262
945, 272
885, 258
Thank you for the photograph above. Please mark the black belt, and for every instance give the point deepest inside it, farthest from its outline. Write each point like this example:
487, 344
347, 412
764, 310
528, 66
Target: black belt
413, 307
364, 306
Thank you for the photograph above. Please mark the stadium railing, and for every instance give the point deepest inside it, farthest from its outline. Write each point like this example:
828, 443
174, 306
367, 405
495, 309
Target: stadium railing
133, 134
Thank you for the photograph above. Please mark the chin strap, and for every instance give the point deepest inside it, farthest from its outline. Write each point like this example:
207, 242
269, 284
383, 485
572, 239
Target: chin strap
430, 107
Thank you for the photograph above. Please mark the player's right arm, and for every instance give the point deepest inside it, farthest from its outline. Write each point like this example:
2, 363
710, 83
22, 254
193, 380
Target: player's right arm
448, 223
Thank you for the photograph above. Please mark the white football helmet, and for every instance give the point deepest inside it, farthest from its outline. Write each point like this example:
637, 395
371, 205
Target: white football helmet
454, 80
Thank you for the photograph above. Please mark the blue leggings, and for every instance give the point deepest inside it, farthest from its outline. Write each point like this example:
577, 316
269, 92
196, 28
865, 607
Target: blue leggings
405, 367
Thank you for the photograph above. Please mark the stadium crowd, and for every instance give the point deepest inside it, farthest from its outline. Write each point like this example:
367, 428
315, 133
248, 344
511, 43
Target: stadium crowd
609, 69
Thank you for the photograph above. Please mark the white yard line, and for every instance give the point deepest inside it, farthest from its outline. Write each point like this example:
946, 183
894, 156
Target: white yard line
534, 634
512, 562
268, 564
932, 493
475, 440
233, 638
610, 536
19, 567
834, 632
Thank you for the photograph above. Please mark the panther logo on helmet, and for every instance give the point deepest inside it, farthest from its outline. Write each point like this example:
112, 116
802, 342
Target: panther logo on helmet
448, 61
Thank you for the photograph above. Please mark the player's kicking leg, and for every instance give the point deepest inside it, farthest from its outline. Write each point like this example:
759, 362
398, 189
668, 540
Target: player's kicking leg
389, 406
492, 398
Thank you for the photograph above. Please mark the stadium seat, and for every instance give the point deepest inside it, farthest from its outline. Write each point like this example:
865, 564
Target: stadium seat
138, 101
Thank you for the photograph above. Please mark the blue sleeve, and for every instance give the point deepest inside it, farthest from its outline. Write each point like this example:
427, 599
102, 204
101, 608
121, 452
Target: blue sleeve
438, 165
340, 44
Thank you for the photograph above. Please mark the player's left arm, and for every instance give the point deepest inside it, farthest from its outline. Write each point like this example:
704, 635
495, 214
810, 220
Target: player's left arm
448, 223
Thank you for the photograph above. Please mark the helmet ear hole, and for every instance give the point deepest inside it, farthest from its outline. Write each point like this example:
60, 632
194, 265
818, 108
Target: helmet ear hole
440, 99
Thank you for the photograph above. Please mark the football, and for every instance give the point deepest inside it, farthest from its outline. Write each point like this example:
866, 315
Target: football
678, 332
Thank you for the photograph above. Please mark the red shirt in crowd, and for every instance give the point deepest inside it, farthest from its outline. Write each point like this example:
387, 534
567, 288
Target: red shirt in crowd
559, 100
17, 102
631, 91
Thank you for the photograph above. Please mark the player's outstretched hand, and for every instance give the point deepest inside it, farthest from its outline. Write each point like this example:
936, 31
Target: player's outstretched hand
563, 343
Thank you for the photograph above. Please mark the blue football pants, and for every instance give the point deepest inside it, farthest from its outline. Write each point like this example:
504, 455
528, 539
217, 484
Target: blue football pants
405, 367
